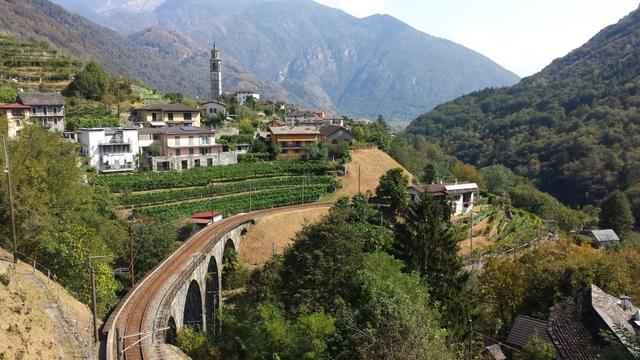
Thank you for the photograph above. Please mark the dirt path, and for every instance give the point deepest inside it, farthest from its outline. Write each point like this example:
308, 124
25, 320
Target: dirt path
372, 164
274, 232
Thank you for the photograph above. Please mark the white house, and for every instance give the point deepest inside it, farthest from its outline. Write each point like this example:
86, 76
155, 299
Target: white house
243, 95
110, 149
460, 195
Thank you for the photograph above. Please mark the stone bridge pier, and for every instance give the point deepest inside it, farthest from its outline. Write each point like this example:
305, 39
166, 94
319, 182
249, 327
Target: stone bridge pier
199, 294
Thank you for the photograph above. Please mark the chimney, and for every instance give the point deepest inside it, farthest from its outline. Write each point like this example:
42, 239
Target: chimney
625, 302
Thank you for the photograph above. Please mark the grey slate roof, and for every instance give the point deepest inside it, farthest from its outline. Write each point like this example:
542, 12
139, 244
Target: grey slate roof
35, 99
169, 107
524, 328
328, 130
178, 130
293, 130
605, 235
569, 324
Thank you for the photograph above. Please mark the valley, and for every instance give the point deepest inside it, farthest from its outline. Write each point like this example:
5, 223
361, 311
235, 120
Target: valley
230, 180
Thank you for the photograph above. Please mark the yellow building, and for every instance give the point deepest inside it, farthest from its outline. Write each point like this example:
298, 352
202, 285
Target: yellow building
293, 141
161, 115
17, 116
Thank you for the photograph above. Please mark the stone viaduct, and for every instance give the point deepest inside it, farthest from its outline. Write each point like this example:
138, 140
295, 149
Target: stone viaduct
183, 290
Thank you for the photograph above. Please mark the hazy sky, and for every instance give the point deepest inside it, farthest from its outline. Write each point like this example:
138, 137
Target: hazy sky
523, 36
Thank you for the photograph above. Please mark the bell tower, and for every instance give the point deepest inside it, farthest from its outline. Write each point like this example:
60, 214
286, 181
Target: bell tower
216, 73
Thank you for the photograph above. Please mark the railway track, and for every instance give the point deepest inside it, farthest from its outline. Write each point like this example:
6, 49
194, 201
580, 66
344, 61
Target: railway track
139, 307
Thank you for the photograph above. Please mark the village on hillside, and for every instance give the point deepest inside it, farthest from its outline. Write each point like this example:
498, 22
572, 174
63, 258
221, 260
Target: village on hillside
253, 173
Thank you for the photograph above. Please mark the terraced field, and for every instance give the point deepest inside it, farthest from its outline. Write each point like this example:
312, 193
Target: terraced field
172, 196
34, 66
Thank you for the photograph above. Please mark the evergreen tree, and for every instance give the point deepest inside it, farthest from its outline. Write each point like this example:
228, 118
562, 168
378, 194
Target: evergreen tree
429, 174
393, 188
429, 248
91, 83
318, 267
616, 213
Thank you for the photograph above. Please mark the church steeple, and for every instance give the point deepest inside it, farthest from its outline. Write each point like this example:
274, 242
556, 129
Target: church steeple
216, 72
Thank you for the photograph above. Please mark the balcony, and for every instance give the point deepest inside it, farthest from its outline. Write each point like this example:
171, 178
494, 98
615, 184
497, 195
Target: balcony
116, 167
115, 140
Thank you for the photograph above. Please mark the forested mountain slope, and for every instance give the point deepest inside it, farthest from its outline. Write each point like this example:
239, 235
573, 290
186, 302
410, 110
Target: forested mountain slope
325, 57
574, 127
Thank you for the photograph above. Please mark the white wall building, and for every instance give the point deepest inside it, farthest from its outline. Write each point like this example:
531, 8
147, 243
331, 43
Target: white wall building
242, 96
460, 196
110, 149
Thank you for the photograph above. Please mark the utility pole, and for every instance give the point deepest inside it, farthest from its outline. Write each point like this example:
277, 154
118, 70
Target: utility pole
359, 192
249, 197
471, 236
131, 220
94, 304
11, 209
470, 339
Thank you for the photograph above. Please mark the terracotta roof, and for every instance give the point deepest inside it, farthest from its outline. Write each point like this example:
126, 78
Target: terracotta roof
169, 107
204, 217
14, 106
40, 98
524, 328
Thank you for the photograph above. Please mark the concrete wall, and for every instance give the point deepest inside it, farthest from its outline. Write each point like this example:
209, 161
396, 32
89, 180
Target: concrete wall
175, 162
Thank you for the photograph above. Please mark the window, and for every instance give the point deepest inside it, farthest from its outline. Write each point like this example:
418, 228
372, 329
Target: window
17, 122
55, 121
16, 112
170, 116
205, 151
210, 110
33, 110
209, 162
204, 140
154, 116
187, 116
45, 110
156, 136
190, 151
178, 152
177, 140
55, 109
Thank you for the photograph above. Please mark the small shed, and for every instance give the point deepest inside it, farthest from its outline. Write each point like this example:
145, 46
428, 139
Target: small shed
206, 218
602, 238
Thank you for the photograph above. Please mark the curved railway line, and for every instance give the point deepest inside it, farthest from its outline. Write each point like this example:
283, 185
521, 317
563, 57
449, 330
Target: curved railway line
135, 316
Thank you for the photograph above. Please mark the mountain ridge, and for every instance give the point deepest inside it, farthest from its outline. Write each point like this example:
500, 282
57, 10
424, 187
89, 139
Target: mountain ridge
328, 58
